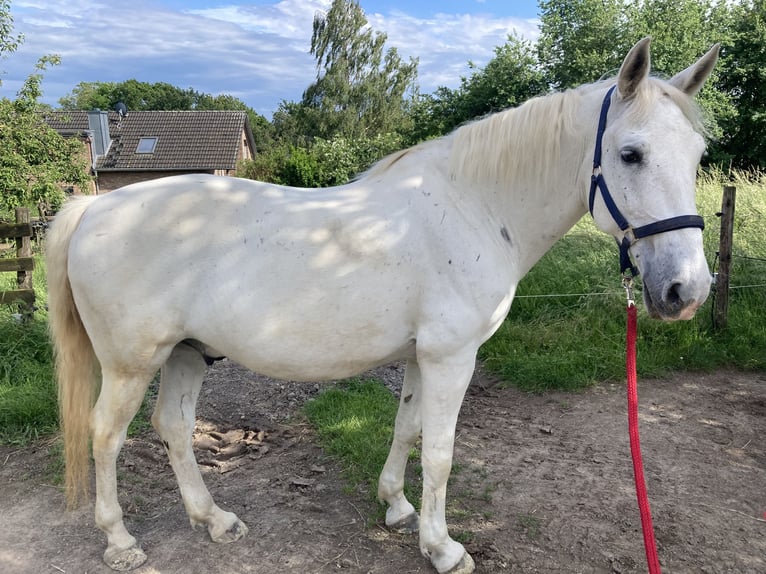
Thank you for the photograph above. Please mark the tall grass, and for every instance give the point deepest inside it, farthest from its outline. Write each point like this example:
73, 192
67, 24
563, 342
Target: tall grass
571, 341
28, 406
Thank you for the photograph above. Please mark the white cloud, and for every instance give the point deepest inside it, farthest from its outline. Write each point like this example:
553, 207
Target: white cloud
287, 19
445, 43
258, 53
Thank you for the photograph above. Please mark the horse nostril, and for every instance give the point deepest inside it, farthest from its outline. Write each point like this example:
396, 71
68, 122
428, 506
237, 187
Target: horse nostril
673, 296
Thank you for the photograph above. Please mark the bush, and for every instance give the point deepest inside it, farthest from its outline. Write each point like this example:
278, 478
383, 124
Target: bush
323, 163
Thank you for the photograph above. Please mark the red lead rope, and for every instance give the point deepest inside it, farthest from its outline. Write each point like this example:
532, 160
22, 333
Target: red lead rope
650, 545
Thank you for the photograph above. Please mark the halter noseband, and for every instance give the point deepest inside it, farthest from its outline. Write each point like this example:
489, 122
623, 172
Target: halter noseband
630, 234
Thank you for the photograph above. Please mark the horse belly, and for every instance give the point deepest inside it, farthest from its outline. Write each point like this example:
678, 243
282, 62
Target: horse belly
318, 332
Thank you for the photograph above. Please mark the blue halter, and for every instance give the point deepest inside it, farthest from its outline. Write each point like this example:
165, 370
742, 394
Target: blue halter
630, 234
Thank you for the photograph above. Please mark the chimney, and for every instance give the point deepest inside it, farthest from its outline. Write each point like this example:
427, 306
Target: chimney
98, 123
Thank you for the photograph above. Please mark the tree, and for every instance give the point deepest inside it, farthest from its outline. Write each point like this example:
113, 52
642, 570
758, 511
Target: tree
35, 161
680, 30
743, 78
357, 110
134, 94
360, 90
580, 40
510, 78
8, 42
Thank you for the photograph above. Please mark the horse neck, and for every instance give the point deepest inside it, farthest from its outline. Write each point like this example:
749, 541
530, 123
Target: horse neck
534, 182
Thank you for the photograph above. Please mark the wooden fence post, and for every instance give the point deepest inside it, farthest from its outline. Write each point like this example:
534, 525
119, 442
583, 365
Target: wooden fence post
23, 264
721, 311
23, 249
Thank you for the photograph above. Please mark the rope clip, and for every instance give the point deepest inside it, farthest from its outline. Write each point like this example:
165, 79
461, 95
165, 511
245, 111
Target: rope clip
627, 284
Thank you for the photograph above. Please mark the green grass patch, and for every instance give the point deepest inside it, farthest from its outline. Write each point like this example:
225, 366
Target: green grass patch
28, 403
28, 407
355, 422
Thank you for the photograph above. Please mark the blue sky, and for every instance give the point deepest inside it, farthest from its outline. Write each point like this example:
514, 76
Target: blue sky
257, 51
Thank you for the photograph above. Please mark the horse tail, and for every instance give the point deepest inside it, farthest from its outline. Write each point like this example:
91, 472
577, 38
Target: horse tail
76, 363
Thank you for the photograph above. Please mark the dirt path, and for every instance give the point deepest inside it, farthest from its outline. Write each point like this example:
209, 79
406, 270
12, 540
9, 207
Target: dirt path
541, 484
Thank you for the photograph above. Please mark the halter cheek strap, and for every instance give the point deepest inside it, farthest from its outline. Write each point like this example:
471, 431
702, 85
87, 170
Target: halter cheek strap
630, 234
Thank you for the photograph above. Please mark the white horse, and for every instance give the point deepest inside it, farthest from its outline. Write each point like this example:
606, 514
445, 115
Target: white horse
418, 260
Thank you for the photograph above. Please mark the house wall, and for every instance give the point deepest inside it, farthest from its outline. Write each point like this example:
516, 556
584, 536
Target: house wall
244, 148
111, 180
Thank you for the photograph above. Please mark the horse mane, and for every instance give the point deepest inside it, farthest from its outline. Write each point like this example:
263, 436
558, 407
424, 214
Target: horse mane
515, 144
522, 143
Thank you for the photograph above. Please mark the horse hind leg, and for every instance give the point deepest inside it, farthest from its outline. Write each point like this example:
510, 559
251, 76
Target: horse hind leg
174, 418
401, 515
117, 404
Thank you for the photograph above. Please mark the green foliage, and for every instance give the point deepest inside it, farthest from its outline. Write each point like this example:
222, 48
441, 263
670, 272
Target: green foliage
138, 95
28, 405
322, 163
134, 94
361, 88
511, 77
581, 39
355, 422
301, 169
743, 77
339, 159
569, 342
267, 165
27, 389
8, 42
35, 161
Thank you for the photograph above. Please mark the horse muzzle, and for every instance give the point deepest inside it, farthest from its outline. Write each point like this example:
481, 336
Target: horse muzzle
675, 299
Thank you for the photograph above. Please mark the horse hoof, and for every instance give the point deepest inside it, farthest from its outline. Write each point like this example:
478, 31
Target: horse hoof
233, 533
465, 566
407, 525
124, 560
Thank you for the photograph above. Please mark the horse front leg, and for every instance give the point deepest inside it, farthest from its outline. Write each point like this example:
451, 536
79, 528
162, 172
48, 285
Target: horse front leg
444, 382
174, 418
401, 515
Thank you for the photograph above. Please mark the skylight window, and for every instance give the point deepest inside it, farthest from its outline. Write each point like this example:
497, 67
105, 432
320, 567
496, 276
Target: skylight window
146, 145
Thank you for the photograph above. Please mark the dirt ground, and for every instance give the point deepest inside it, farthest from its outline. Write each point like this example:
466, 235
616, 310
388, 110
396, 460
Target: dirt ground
542, 483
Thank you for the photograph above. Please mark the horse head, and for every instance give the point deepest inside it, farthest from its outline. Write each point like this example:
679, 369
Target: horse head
649, 144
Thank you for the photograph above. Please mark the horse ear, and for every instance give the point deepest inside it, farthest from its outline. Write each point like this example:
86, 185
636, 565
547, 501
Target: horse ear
692, 78
634, 69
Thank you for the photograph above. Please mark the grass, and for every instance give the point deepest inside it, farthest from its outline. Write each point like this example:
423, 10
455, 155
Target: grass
27, 391
28, 407
355, 421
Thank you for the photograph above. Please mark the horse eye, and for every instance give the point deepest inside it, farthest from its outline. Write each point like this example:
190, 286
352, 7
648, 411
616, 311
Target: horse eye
630, 156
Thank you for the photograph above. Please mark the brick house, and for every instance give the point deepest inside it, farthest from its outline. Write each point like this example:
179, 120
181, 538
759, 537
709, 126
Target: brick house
144, 145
